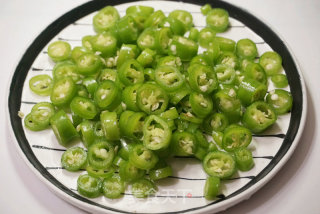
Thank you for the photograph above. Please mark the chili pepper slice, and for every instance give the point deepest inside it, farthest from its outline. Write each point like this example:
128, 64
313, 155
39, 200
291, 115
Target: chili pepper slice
175, 25
100, 155
105, 19
183, 144
59, 51
236, 136
129, 97
279, 80
83, 107
113, 187
131, 72
88, 186
147, 39
41, 84
66, 69
205, 9
63, 128
256, 72
156, 133
201, 104
110, 125
142, 188
202, 79
219, 164
250, 91
218, 19
280, 100
40, 115
169, 78
225, 74
259, 116
271, 62
143, 158
246, 48
184, 16
87, 132
215, 122
183, 47
152, 99
88, 64
129, 173
226, 44
107, 95
127, 29
154, 19
74, 159
163, 37
104, 42
193, 34
160, 171
206, 36
211, 188
244, 159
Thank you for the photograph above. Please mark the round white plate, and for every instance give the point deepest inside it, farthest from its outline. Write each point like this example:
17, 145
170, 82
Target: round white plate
182, 192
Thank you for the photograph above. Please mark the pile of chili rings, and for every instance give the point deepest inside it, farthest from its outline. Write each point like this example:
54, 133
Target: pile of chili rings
139, 93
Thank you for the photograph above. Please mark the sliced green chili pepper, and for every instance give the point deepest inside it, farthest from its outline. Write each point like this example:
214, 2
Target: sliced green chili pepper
91, 85
83, 107
170, 61
193, 34
259, 116
201, 105
250, 91
161, 170
59, 51
211, 188
226, 44
142, 188
225, 74
279, 80
88, 64
41, 84
113, 187
100, 155
215, 122
88, 186
156, 133
110, 125
63, 91
104, 42
74, 159
128, 172
218, 19
133, 126
256, 72
228, 58
169, 78
107, 95
65, 69
87, 132
147, 39
206, 36
163, 37
235, 137
143, 158
217, 137
183, 16
39, 117
127, 29
243, 158
205, 9
131, 72
105, 19
280, 100
100, 173
148, 74
202, 79
77, 52
183, 144
183, 47
154, 19
177, 96
152, 99
271, 62
247, 49
98, 131
227, 102
200, 59
129, 97
219, 164
63, 128
146, 57
175, 25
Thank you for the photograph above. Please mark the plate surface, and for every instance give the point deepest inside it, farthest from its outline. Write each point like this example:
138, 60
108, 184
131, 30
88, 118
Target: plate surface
183, 192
